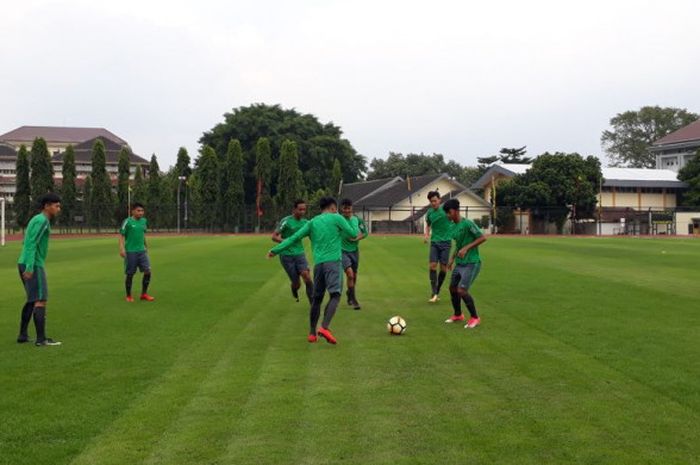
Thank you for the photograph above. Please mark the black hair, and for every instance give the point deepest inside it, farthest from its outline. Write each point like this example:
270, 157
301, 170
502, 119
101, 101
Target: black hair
47, 199
298, 202
326, 202
346, 203
432, 194
136, 205
452, 204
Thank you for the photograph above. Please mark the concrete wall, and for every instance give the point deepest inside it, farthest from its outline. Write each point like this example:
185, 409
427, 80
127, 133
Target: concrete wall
638, 200
684, 220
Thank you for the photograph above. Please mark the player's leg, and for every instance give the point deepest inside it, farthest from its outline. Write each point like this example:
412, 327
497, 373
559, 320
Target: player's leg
27, 310
464, 286
144, 264
40, 310
130, 267
444, 258
455, 297
315, 310
434, 256
334, 283
350, 276
355, 258
302, 271
289, 267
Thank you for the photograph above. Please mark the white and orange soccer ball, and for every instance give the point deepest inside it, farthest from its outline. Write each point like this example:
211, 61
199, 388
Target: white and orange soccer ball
396, 325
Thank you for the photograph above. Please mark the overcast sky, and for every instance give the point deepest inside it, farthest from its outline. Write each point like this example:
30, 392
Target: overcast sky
460, 78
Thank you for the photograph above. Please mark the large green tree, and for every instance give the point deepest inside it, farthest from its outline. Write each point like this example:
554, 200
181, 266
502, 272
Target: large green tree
512, 155
419, 164
140, 190
690, 174
207, 184
182, 165
233, 195
556, 186
289, 185
101, 198
263, 176
154, 186
631, 134
23, 201
336, 178
318, 144
41, 178
123, 183
69, 193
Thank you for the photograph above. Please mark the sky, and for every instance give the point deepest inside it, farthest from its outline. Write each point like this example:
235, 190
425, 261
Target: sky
461, 78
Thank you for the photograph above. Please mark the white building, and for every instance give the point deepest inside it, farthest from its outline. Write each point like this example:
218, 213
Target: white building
676, 149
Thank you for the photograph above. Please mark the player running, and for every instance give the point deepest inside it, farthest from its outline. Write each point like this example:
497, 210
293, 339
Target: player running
351, 250
438, 230
468, 237
32, 273
325, 231
293, 259
132, 248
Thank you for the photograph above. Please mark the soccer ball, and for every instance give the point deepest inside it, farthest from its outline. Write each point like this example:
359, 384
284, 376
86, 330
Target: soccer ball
396, 325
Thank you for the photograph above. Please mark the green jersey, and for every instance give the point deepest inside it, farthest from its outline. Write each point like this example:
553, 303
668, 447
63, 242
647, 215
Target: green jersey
465, 232
287, 227
134, 232
325, 231
440, 225
357, 224
36, 243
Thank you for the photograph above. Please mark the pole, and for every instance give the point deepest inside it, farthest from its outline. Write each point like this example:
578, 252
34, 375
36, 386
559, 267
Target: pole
178, 204
2, 221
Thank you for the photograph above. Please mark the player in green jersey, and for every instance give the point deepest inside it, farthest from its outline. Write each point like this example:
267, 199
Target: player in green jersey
293, 259
326, 232
438, 230
351, 250
467, 263
132, 248
32, 273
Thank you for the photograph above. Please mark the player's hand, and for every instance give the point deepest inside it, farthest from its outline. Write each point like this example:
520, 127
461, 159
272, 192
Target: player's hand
462, 252
270, 255
27, 275
425, 239
451, 264
122, 253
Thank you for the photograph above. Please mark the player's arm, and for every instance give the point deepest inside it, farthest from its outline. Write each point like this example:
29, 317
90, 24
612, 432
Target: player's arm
31, 239
277, 234
352, 233
480, 239
122, 238
302, 233
426, 230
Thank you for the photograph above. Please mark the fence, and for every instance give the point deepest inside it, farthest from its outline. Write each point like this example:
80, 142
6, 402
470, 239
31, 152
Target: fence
401, 220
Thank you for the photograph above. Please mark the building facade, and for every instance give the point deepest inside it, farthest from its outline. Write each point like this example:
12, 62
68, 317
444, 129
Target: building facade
675, 150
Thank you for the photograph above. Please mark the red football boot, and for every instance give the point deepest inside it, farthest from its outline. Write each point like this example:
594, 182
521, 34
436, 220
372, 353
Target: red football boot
147, 298
327, 335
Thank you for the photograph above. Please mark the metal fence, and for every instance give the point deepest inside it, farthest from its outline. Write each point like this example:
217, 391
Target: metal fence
403, 220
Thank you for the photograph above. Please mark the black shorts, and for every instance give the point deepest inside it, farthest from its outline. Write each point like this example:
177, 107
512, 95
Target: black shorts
351, 260
464, 275
36, 288
136, 260
294, 265
440, 252
328, 276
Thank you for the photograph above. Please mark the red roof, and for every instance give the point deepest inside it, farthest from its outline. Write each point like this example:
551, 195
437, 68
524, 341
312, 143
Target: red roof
59, 134
688, 133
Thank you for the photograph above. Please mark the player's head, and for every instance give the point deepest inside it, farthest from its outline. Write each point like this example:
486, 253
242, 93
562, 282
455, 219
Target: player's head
451, 207
328, 204
434, 198
137, 210
299, 209
346, 207
50, 204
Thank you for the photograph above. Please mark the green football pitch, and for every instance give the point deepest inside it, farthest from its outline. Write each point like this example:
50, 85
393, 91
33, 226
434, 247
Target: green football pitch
588, 353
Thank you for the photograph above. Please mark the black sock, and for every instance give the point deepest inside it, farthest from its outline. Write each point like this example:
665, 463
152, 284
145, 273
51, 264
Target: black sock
310, 291
27, 311
145, 282
469, 300
315, 313
295, 291
329, 312
441, 279
456, 303
40, 323
433, 281
351, 294
128, 282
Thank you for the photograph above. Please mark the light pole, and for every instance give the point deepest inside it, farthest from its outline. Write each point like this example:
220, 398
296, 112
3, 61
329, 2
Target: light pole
179, 183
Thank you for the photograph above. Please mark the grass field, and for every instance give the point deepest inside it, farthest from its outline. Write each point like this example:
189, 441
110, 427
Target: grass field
589, 353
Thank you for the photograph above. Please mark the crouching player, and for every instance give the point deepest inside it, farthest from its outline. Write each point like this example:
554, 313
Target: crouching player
466, 261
